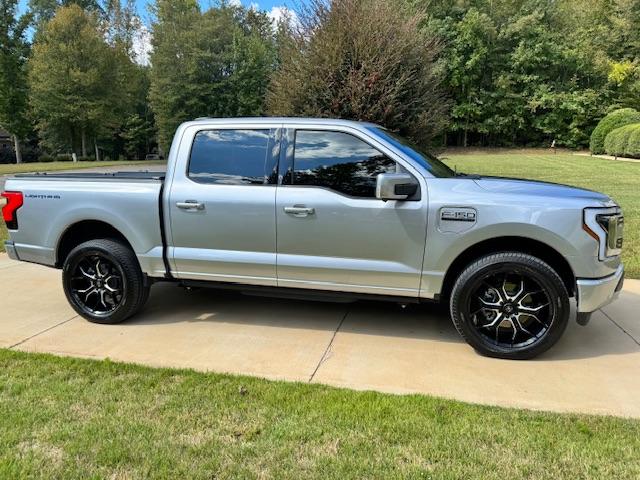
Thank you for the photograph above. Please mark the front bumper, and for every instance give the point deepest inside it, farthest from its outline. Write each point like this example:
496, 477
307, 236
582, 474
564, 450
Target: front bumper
10, 248
596, 293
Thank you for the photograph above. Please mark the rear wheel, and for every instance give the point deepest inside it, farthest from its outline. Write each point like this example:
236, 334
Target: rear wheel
510, 305
103, 281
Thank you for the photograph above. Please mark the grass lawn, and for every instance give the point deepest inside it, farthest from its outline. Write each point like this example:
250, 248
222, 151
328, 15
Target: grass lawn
620, 180
10, 168
72, 418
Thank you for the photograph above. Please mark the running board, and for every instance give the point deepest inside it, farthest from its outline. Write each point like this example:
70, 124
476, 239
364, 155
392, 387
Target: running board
301, 293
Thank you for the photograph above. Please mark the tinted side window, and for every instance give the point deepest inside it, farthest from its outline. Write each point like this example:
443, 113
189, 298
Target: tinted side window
338, 161
230, 157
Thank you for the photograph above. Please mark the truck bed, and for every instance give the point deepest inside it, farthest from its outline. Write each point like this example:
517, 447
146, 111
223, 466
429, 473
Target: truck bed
128, 202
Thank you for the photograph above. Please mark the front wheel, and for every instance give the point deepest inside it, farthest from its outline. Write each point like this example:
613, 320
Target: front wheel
510, 305
103, 281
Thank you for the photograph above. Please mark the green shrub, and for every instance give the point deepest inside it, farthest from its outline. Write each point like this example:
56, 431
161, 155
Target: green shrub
624, 141
46, 158
616, 119
632, 148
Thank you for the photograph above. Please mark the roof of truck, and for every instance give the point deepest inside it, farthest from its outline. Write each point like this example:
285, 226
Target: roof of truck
298, 120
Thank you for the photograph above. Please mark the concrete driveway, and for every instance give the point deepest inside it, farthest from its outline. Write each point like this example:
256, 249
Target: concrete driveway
364, 345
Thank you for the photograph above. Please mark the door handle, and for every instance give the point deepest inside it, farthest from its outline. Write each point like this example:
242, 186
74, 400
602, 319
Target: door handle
299, 210
190, 205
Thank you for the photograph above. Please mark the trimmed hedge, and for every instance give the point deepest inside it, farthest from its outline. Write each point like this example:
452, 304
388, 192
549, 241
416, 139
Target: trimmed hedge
616, 119
624, 141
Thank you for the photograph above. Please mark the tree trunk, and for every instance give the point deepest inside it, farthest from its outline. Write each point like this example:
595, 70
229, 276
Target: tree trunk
84, 143
16, 146
95, 146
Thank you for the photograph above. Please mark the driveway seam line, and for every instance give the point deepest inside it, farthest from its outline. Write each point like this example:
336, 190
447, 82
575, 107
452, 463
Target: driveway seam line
41, 332
617, 325
328, 349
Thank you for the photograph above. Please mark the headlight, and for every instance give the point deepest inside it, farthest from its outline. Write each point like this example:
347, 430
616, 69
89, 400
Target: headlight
606, 226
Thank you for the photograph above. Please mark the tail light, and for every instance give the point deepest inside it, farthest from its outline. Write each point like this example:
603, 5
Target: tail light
9, 211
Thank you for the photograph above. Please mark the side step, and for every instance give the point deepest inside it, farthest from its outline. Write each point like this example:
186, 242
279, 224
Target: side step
300, 293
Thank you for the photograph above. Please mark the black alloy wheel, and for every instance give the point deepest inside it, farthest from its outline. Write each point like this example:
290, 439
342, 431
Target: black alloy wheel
510, 305
510, 309
103, 281
97, 284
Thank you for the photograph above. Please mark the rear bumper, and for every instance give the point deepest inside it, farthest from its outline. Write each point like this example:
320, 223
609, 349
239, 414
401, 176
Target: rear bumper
596, 293
10, 248
30, 253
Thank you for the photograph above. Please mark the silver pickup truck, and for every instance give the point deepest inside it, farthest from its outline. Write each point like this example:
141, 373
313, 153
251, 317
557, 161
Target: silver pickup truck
333, 208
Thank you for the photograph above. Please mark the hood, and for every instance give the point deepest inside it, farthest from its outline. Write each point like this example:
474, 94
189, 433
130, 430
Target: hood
511, 186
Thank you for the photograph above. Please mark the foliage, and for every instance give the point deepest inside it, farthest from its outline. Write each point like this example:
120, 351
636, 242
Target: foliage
486, 72
213, 63
78, 82
45, 10
361, 60
633, 143
14, 50
624, 141
7, 156
528, 72
136, 133
625, 79
616, 119
30, 152
121, 24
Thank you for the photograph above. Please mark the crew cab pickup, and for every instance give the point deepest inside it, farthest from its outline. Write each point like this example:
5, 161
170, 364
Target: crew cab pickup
320, 207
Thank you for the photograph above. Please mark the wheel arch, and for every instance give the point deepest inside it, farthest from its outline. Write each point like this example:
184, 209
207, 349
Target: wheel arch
527, 245
84, 231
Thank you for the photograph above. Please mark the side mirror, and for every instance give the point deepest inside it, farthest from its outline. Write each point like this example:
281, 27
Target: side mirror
395, 186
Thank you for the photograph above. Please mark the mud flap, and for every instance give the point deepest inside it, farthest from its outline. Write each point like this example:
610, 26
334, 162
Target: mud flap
583, 318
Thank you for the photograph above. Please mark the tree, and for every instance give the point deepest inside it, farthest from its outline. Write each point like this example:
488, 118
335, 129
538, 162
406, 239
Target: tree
77, 81
469, 55
121, 24
14, 50
362, 60
44, 10
214, 63
136, 133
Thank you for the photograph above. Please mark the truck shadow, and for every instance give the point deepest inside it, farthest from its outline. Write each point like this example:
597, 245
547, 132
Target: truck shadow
428, 322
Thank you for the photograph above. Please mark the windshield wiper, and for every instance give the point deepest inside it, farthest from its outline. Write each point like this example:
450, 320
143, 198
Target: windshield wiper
474, 176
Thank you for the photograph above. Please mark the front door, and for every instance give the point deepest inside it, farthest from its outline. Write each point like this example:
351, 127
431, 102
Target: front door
222, 208
332, 232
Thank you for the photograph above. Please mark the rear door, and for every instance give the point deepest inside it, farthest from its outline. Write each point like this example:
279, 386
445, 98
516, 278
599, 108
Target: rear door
333, 233
221, 204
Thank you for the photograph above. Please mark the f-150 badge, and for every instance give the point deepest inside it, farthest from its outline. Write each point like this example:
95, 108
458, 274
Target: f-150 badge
458, 214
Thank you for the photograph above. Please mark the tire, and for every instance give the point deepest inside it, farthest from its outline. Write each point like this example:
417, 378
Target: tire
103, 282
510, 305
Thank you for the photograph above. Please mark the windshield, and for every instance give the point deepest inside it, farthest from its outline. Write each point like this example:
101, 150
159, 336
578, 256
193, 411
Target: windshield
430, 162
